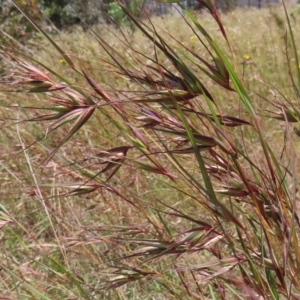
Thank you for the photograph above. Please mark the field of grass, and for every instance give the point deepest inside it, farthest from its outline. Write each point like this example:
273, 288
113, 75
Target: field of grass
112, 191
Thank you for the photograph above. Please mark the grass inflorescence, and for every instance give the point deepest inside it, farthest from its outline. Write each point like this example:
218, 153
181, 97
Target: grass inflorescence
154, 164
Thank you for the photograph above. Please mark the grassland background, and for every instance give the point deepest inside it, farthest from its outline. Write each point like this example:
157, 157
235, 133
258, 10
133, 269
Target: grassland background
55, 245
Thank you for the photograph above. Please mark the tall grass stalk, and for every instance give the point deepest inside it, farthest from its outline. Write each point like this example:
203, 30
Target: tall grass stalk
164, 172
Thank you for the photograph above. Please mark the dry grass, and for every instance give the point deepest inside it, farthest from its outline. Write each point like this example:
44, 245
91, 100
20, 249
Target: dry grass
92, 221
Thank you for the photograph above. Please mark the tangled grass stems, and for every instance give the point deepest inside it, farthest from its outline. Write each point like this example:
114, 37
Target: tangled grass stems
146, 184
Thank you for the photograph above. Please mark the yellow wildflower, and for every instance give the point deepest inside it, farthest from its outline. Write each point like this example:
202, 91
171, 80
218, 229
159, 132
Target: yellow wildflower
247, 57
193, 38
62, 61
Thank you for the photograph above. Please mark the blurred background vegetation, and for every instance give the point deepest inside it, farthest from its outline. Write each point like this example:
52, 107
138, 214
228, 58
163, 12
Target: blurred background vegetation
60, 14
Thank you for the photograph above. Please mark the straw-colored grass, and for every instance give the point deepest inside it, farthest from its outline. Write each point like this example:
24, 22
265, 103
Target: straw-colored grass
85, 219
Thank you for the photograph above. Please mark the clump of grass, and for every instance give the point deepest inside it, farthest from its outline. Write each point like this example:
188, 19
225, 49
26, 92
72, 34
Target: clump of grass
167, 192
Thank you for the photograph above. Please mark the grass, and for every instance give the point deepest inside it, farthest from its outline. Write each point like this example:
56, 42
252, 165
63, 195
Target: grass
122, 180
